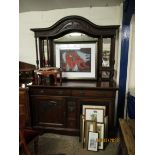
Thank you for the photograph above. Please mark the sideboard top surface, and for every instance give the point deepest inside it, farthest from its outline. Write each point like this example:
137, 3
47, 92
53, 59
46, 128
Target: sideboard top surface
80, 85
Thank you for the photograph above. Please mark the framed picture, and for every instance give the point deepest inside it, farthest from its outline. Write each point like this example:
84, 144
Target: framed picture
106, 126
100, 130
89, 126
93, 107
82, 124
92, 141
77, 60
94, 114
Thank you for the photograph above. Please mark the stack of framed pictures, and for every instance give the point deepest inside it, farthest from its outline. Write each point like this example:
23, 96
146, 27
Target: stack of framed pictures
93, 127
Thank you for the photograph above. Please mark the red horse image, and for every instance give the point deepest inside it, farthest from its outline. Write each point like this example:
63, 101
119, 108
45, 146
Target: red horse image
76, 61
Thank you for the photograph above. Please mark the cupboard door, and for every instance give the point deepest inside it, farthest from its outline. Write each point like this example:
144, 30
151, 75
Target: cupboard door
48, 111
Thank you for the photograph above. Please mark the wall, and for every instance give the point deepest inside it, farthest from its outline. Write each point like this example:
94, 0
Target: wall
39, 19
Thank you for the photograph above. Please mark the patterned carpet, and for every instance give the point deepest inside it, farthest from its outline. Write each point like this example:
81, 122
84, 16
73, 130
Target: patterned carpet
50, 144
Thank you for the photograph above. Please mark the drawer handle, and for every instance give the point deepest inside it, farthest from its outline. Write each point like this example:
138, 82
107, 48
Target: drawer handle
60, 92
52, 103
81, 92
42, 91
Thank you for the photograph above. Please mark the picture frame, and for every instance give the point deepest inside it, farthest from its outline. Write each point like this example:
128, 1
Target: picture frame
93, 107
101, 131
92, 141
96, 114
106, 126
82, 129
89, 126
77, 60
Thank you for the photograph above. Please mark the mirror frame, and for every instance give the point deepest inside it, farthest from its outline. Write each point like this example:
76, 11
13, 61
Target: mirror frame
71, 24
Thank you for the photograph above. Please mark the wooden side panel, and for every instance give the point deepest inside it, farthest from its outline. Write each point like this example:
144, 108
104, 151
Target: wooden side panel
24, 104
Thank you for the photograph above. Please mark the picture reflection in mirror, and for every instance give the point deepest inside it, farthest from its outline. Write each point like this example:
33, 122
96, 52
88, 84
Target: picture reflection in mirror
106, 52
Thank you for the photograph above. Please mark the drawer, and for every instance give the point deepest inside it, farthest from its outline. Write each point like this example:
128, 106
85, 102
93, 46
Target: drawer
57, 92
93, 93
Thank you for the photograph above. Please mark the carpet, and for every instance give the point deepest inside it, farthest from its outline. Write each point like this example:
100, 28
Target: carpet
54, 144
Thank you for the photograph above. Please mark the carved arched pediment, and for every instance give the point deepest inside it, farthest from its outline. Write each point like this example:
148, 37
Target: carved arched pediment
75, 24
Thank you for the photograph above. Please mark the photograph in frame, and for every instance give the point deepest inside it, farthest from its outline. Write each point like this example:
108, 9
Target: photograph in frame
92, 141
77, 60
89, 126
94, 114
100, 130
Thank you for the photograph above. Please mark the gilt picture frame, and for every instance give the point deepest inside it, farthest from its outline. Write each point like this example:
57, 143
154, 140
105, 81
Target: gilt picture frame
89, 126
93, 107
92, 141
101, 131
77, 60
94, 114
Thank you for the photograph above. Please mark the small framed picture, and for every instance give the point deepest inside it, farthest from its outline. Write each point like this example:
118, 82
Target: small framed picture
93, 141
93, 107
100, 130
89, 126
94, 114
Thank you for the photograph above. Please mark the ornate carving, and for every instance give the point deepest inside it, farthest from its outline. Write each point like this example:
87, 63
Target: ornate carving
75, 23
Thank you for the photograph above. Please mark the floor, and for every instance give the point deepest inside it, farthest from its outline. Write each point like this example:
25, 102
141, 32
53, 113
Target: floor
69, 145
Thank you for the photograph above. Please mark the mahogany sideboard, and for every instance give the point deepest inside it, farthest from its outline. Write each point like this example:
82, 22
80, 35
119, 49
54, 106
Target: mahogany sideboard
57, 108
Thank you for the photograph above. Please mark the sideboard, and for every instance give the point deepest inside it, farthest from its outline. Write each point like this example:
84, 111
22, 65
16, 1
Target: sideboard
57, 108
87, 62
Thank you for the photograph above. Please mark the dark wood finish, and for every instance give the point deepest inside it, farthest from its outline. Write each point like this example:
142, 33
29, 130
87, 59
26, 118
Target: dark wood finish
127, 136
24, 105
58, 108
49, 73
24, 66
77, 24
37, 60
99, 59
51, 46
26, 134
49, 111
26, 72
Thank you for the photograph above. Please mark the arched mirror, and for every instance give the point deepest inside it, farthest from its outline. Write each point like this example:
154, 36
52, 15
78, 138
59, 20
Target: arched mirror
82, 49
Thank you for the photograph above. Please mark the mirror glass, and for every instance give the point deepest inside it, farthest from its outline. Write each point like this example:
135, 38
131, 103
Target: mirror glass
45, 56
106, 52
75, 36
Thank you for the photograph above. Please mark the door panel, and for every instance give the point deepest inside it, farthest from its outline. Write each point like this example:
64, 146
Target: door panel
48, 111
